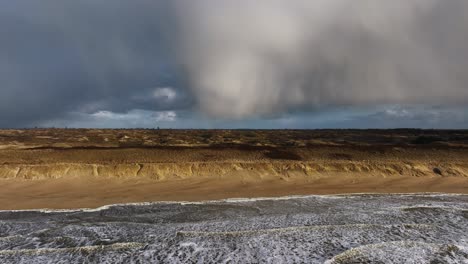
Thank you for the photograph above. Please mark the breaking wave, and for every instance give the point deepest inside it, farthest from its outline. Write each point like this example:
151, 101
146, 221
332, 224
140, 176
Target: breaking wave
357, 228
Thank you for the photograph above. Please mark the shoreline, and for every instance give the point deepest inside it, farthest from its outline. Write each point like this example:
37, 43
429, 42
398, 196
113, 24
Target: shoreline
233, 200
92, 193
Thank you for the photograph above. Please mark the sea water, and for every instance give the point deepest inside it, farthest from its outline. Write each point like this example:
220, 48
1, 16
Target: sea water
359, 228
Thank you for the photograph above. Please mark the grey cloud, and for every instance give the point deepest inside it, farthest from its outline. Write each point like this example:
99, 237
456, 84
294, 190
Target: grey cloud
256, 57
230, 59
63, 56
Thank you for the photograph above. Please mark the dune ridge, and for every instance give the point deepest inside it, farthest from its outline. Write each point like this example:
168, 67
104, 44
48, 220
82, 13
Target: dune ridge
217, 170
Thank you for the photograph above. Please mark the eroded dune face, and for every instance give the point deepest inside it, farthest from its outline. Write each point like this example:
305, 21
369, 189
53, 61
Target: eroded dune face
184, 154
313, 229
254, 171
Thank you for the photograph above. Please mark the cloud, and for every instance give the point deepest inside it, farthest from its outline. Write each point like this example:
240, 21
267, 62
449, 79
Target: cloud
58, 57
134, 115
167, 116
250, 58
166, 94
416, 117
135, 118
393, 116
229, 59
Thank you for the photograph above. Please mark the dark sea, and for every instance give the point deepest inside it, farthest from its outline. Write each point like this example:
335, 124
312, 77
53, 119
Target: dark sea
361, 228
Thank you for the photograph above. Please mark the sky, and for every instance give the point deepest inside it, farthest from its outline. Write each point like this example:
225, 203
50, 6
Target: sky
234, 64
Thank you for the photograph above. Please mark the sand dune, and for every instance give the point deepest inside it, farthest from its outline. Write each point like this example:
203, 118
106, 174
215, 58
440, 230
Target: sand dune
95, 175
249, 171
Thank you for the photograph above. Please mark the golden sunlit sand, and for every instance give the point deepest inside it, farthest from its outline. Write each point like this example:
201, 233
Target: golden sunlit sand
71, 168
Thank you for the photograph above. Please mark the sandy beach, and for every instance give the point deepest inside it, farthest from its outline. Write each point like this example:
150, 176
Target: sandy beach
90, 168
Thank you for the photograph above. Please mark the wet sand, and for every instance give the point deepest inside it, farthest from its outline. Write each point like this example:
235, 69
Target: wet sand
92, 193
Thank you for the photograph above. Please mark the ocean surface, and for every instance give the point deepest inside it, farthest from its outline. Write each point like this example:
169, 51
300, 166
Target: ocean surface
365, 228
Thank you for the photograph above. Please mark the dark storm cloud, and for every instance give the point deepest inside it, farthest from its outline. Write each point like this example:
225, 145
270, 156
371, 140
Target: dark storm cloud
62, 56
230, 59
